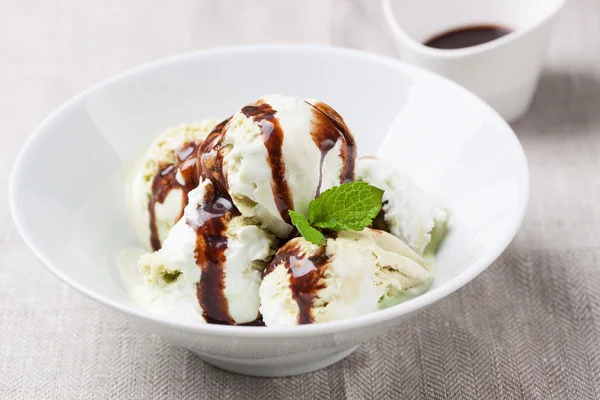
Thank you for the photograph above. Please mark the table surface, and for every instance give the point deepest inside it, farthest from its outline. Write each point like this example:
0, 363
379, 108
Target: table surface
528, 327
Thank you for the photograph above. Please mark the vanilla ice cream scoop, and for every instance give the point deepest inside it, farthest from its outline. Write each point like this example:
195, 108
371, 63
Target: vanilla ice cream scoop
209, 267
277, 155
408, 212
355, 273
160, 183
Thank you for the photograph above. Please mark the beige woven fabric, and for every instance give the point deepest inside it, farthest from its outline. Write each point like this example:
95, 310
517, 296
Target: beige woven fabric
529, 327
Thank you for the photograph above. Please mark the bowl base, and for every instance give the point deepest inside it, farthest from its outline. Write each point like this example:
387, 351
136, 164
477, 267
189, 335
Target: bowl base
295, 364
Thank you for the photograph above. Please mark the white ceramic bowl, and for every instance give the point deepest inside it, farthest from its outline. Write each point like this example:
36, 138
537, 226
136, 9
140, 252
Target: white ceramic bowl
67, 190
504, 72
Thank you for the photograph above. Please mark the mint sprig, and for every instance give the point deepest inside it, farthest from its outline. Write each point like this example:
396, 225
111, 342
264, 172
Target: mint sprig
351, 206
311, 234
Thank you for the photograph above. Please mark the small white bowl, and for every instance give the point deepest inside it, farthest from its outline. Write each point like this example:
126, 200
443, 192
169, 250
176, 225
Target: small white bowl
504, 72
67, 189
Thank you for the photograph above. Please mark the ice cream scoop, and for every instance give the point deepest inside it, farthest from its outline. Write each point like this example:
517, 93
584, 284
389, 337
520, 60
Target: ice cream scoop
160, 183
209, 267
355, 273
277, 155
408, 212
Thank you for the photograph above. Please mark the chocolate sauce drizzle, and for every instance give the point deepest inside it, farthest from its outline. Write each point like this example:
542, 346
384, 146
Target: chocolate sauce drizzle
209, 162
306, 273
210, 222
166, 180
257, 322
329, 127
272, 135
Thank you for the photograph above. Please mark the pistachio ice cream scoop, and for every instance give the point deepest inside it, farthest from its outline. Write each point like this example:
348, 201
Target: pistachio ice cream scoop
160, 183
354, 273
278, 154
209, 267
408, 212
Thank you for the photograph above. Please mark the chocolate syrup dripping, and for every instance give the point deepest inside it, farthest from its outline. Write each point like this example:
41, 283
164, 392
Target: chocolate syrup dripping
273, 139
306, 273
328, 128
166, 180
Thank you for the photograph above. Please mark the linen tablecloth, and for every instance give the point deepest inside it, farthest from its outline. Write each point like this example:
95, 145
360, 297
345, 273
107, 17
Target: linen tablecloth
528, 327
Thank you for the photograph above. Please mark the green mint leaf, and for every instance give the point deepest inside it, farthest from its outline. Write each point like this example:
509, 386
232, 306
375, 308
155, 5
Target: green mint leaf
308, 232
351, 206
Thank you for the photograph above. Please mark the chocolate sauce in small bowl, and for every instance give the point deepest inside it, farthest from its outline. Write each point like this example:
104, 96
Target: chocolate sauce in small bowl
467, 36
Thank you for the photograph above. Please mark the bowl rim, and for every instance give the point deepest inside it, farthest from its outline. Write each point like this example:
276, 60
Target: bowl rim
362, 321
